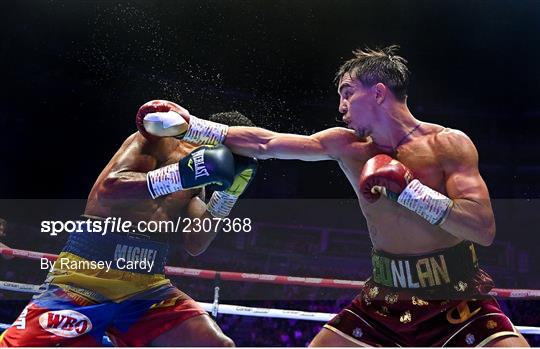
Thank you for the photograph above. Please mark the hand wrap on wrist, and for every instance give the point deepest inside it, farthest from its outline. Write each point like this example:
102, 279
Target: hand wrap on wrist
164, 180
202, 131
221, 204
426, 202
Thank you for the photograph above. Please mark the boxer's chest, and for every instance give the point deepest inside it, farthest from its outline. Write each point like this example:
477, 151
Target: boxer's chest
421, 158
396, 229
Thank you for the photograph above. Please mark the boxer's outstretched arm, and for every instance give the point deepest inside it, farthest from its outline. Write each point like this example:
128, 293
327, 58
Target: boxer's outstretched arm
471, 216
330, 144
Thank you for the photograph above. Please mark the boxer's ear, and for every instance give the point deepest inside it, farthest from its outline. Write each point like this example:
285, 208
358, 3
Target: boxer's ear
379, 90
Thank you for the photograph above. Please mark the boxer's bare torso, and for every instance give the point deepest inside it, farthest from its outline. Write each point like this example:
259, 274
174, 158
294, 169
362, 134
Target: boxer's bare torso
432, 152
393, 228
120, 190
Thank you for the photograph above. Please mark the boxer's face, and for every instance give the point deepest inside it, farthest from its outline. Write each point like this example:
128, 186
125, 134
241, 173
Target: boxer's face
356, 103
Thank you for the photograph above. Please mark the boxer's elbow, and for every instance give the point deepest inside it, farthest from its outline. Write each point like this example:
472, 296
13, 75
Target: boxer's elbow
487, 234
112, 189
488, 227
124, 185
475, 221
109, 188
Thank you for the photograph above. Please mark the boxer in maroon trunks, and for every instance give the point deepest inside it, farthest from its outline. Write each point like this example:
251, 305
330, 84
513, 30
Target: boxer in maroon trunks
430, 300
421, 192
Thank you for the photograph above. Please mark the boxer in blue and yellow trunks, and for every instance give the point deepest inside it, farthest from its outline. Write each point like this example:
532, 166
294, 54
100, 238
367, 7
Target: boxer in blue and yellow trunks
82, 303
114, 283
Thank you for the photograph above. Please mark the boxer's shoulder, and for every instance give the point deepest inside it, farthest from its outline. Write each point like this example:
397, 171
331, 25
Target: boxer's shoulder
450, 136
453, 145
443, 136
342, 134
346, 143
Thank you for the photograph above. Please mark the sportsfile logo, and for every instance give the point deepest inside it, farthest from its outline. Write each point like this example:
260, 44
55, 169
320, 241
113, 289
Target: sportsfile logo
197, 158
65, 323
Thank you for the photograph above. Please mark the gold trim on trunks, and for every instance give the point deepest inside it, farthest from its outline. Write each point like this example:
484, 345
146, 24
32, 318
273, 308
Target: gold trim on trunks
406, 317
417, 301
373, 292
491, 324
461, 286
391, 298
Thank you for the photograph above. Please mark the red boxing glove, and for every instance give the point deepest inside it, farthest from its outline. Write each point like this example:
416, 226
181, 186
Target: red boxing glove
161, 106
383, 175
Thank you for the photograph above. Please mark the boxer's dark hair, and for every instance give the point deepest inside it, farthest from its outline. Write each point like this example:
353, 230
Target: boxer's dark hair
379, 65
231, 118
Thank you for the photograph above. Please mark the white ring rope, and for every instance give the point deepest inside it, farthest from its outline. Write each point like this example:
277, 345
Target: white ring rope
230, 309
215, 308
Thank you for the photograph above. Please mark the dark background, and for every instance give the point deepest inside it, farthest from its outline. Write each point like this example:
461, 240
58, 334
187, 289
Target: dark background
74, 73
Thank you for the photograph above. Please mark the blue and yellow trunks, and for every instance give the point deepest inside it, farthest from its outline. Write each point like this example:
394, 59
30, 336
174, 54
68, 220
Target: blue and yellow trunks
109, 284
111, 266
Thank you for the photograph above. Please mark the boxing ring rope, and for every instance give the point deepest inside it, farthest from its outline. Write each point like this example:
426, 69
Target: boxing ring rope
229, 309
209, 307
502, 293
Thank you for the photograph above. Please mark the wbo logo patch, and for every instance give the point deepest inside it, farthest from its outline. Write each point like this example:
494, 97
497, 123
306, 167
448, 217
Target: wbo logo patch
65, 323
